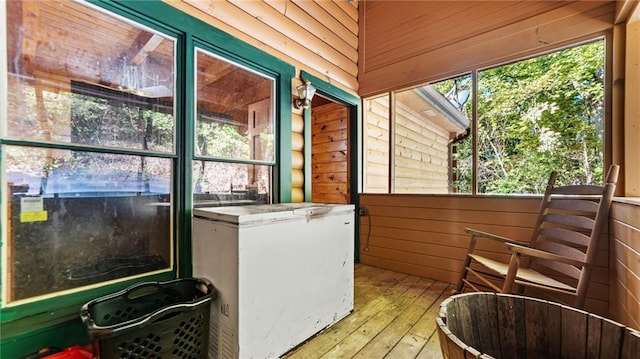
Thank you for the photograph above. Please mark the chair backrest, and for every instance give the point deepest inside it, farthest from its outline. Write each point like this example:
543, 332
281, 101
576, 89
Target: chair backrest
570, 224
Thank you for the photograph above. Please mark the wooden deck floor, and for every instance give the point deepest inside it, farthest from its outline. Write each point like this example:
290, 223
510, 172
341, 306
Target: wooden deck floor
394, 317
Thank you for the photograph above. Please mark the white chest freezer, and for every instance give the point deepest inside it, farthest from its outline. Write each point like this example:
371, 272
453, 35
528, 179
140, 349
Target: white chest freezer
283, 271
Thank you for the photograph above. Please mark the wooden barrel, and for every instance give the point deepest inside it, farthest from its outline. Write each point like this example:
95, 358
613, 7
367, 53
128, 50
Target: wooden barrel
486, 325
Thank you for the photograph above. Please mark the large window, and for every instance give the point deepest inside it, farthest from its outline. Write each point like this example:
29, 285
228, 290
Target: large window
532, 117
540, 115
88, 154
118, 119
234, 133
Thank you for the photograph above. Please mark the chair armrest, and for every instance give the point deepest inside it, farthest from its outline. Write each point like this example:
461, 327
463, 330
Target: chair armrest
531, 252
494, 237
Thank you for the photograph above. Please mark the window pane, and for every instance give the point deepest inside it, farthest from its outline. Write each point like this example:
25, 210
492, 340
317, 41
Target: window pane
541, 115
109, 83
430, 122
79, 218
376, 145
234, 111
230, 184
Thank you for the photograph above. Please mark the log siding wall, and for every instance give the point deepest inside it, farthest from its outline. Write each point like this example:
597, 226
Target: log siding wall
421, 150
376, 145
421, 159
320, 37
425, 236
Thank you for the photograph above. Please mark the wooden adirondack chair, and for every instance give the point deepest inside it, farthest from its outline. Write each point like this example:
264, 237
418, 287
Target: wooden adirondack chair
562, 249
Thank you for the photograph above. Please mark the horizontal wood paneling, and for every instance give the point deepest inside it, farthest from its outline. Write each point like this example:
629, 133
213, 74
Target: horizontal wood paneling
421, 154
424, 235
320, 37
435, 40
376, 145
420, 160
624, 305
439, 25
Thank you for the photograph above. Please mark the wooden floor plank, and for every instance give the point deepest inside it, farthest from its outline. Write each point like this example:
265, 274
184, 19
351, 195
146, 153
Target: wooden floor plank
424, 329
349, 347
394, 317
401, 324
331, 337
431, 350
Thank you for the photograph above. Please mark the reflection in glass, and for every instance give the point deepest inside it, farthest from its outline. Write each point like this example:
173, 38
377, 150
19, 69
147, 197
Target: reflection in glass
234, 111
230, 184
100, 116
79, 218
109, 84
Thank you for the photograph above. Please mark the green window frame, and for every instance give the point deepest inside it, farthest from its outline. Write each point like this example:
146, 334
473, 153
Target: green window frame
27, 327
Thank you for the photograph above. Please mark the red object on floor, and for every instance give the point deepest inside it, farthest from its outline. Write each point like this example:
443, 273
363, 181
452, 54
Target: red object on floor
74, 352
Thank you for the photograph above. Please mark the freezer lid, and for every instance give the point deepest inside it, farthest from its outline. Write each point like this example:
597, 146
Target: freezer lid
271, 212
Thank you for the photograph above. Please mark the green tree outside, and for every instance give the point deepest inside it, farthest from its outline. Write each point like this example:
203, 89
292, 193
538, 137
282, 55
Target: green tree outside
537, 116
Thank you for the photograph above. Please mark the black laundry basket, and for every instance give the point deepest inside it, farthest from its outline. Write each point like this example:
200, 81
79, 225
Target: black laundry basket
152, 320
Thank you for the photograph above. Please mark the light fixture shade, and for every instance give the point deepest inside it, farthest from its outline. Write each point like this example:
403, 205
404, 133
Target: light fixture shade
305, 95
310, 91
306, 91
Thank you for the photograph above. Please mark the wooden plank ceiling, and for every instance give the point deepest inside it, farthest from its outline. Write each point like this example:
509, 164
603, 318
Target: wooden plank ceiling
405, 43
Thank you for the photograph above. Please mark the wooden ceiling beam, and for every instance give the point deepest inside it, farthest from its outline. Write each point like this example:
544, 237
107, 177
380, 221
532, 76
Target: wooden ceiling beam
212, 72
140, 48
149, 46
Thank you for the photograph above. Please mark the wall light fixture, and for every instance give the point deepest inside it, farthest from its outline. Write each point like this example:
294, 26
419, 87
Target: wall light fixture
305, 94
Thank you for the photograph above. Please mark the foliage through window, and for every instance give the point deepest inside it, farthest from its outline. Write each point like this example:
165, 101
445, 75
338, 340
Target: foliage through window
533, 116
105, 117
541, 115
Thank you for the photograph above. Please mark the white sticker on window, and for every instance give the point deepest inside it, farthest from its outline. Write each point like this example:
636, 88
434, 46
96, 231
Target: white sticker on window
31, 204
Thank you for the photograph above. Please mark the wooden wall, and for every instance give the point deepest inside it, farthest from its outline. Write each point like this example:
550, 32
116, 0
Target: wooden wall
624, 305
330, 154
424, 235
421, 158
632, 105
375, 145
404, 43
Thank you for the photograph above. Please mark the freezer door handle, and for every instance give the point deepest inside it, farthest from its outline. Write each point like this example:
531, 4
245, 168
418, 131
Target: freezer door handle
312, 211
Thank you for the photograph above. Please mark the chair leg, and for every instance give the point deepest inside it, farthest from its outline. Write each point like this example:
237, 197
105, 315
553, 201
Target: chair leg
463, 275
466, 264
514, 263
